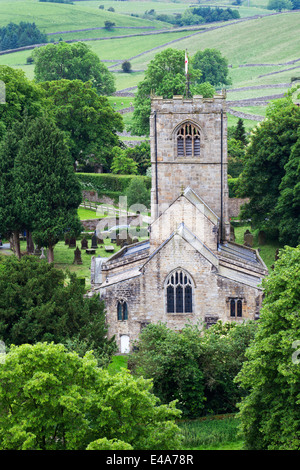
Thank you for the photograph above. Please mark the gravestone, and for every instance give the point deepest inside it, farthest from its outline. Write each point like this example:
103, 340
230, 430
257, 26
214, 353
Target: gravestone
94, 242
248, 239
84, 244
42, 255
37, 251
77, 256
72, 242
261, 237
232, 234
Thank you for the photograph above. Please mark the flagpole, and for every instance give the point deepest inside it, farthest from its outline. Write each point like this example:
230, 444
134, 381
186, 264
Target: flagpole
187, 75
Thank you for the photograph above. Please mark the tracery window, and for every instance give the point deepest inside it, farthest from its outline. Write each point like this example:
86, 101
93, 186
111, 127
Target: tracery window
179, 292
236, 308
188, 141
122, 310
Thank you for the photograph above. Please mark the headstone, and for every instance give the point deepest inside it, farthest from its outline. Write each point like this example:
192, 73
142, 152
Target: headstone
94, 242
248, 239
37, 251
84, 244
77, 256
261, 237
72, 242
42, 255
232, 234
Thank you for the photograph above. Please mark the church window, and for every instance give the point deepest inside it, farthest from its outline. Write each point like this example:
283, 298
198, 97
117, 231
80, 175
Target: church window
122, 310
188, 141
236, 308
179, 293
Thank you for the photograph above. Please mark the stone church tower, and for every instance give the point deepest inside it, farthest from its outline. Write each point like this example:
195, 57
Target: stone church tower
189, 270
189, 149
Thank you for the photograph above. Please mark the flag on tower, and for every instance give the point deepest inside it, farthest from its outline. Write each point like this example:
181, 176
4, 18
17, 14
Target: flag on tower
186, 63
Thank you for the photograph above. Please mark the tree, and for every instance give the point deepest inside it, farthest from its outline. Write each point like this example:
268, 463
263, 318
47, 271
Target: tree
123, 164
22, 96
165, 76
13, 36
49, 305
240, 133
87, 119
137, 193
266, 157
52, 399
47, 191
170, 359
213, 67
72, 62
269, 413
279, 5
109, 25
288, 204
126, 66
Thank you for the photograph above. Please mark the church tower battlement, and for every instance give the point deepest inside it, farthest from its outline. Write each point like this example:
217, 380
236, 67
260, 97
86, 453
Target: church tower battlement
189, 149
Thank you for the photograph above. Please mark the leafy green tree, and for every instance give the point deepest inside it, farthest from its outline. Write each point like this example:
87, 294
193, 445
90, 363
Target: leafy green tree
223, 349
22, 97
49, 305
137, 193
72, 62
270, 412
14, 35
266, 157
240, 133
141, 155
88, 120
52, 399
170, 359
288, 204
279, 5
165, 76
126, 66
123, 164
47, 191
213, 67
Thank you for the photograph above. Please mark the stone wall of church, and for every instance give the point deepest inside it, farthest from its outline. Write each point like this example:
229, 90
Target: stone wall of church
146, 299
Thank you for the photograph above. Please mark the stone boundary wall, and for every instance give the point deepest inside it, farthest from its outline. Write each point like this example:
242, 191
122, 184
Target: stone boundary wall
234, 206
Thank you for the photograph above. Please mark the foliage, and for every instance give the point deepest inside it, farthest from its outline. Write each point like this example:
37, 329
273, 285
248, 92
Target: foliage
279, 5
123, 164
22, 97
196, 367
212, 432
213, 67
105, 182
72, 62
222, 355
47, 191
169, 358
86, 118
109, 444
109, 25
126, 66
288, 205
165, 76
140, 154
137, 194
52, 399
267, 155
13, 36
49, 305
270, 412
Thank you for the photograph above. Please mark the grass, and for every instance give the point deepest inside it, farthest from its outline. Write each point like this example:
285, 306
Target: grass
215, 433
267, 251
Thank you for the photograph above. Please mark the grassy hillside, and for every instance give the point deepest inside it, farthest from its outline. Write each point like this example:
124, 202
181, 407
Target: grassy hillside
267, 43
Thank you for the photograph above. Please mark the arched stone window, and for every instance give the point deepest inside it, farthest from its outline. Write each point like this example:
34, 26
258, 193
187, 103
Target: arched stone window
122, 310
188, 141
236, 308
179, 292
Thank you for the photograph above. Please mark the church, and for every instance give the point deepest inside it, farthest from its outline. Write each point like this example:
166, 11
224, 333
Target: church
190, 270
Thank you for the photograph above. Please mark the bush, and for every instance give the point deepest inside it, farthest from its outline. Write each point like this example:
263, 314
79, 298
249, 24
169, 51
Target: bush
107, 183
